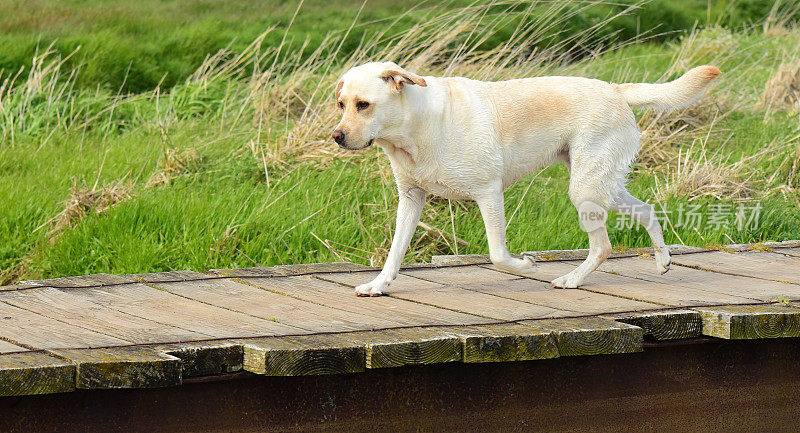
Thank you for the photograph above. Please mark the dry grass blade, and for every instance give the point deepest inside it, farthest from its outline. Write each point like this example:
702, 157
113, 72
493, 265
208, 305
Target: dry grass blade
782, 91
699, 175
173, 164
84, 200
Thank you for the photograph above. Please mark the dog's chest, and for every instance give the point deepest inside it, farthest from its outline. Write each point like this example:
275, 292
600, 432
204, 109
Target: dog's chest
433, 178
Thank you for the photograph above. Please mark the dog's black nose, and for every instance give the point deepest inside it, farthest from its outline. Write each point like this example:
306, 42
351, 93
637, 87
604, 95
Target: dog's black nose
338, 137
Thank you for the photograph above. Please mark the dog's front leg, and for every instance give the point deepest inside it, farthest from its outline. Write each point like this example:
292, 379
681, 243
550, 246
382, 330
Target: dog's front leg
409, 209
490, 203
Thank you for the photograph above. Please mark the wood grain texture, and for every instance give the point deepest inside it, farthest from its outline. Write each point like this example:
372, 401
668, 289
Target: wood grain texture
31, 373
591, 335
93, 280
454, 298
751, 321
122, 367
409, 346
792, 252
6, 347
205, 358
68, 306
706, 287
385, 309
505, 342
663, 324
290, 270
768, 266
623, 286
257, 302
305, 355
23, 327
169, 309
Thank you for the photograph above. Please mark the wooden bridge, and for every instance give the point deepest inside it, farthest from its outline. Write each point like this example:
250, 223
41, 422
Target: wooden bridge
158, 330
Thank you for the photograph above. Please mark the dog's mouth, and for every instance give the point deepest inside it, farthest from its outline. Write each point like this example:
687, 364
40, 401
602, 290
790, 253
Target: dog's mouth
369, 143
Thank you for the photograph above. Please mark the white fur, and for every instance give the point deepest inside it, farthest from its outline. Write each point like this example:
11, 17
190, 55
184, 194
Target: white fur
465, 139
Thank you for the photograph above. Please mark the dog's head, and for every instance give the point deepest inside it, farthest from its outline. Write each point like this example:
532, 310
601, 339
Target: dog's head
370, 97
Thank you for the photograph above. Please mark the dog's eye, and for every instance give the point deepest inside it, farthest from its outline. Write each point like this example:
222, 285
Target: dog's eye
361, 105
341, 105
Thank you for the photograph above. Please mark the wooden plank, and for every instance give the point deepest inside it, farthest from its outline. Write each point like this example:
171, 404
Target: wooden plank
257, 302
205, 358
591, 335
747, 289
751, 321
304, 355
770, 266
653, 292
409, 346
93, 280
290, 270
663, 324
793, 252
505, 342
30, 373
169, 276
65, 306
454, 298
6, 347
168, 309
123, 367
26, 328
493, 282
398, 311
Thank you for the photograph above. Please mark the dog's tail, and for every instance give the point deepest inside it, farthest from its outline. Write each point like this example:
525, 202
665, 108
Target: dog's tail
669, 96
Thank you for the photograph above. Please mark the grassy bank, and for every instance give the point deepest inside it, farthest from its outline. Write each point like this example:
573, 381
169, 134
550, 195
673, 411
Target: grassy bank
232, 167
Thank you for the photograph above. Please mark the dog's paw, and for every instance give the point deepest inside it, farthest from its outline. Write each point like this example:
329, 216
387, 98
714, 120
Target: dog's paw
375, 287
567, 281
525, 266
663, 260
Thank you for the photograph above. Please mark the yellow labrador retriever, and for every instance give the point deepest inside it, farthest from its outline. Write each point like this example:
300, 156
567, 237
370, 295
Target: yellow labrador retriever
464, 139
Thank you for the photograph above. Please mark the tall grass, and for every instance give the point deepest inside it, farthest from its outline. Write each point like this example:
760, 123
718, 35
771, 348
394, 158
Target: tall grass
233, 166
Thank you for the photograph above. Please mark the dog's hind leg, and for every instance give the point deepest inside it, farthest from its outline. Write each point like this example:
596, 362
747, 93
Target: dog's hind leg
644, 214
490, 202
598, 164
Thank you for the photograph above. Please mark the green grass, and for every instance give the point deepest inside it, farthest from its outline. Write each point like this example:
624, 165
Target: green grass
239, 206
135, 45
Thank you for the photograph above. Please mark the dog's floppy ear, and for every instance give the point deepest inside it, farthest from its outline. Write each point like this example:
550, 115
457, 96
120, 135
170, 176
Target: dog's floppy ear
398, 77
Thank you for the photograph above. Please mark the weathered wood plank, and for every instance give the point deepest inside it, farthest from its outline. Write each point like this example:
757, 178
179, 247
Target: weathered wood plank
6, 347
493, 282
290, 270
653, 292
205, 358
168, 309
505, 342
26, 328
29, 373
257, 302
591, 335
409, 346
169, 276
750, 321
663, 324
556, 255
454, 298
65, 306
770, 266
398, 311
793, 252
747, 289
122, 367
304, 355
93, 280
